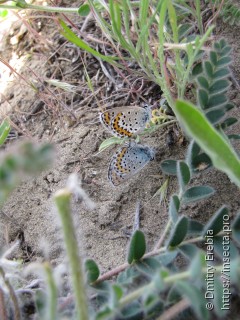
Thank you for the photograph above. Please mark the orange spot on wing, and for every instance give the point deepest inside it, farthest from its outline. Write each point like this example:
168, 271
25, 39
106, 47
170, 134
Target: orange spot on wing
106, 118
119, 161
119, 129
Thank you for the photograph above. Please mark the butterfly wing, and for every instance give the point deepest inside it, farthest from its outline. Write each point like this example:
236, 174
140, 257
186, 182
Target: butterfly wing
127, 161
125, 121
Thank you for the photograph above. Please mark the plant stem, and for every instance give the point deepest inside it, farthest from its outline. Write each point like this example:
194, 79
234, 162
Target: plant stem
17, 312
52, 303
154, 252
161, 55
168, 280
199, 17
62, 200
175, 310
173, 21
3, 311
41, 8
192, 58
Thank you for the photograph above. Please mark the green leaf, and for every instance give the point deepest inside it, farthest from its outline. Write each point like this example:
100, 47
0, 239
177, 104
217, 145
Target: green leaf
152, 305
236, 228
234, 136
194, 227
219, 86
158, 279
109, 142
196, 298
197, 193
197, 265
197, 70
203, 98
213, 58
221, 73
208, 69
92, 270
84, 10
224, 248
174, 207
148, 266
173, 295
224, 61
220, 44
209, 139
235, 271
215, 115
219, 290
201, 162
115, 295
167, 257
4, 131
193, 151
202, 81
228, 123
216, 100
104, 313
184, 30
188, 250
178, 233
103, 288
193, 156
229, 106
3, 13
169, 167
137, 247
128, 276
183, 174
70, 36
225, 51
215, 224
132, 311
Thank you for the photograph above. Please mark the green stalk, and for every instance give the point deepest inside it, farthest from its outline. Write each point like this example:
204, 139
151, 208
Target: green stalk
167, 281
40, 8
52, 303
199, 17
173, 21
13, 296
62, 199
161, 55
191, 60
4, 131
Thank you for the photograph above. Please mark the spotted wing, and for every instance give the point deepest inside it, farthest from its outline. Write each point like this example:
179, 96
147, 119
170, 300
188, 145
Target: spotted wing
127, 161
125, 121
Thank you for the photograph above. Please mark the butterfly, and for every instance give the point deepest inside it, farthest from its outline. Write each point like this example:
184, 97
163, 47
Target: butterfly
128, 160
125, 121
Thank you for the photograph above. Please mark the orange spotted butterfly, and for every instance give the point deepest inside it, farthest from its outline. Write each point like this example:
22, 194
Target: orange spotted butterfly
125, 121
128, 160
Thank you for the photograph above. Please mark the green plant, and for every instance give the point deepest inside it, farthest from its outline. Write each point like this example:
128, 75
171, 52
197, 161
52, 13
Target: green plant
3, 13
156, 28
150, 283
4, 131
28, 158
228, 10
